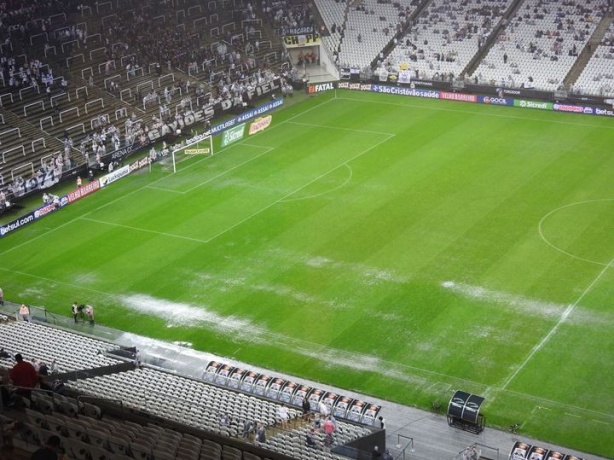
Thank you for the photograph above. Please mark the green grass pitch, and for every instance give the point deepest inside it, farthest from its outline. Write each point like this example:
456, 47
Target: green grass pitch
401, 247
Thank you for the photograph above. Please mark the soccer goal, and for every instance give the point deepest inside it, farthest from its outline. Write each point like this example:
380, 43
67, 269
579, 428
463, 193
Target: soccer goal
201, 144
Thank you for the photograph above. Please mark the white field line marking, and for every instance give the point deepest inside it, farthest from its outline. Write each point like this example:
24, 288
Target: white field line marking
285, 197
255, 145
542, 400
600, 421
337, 187
144, 230
299, 344
540, 228
555, 328
340, 128
162, 189
442, 109
51, 282
191, 165
244, 142
268, 149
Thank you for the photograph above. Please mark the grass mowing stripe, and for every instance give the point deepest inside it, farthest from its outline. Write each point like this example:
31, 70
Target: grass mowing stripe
285, 197
563, 251
268, 150
191, 165
553, 330
347, 281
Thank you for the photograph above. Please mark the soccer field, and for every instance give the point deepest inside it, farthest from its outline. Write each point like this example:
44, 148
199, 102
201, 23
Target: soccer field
401, 247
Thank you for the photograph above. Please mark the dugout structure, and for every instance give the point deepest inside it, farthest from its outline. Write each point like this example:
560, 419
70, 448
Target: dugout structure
464, 412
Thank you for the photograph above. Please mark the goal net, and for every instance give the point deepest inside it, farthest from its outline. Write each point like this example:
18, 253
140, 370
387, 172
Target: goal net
201, 144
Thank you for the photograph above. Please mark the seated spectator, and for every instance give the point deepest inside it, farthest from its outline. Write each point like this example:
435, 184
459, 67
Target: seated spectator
54, 368
43, 369
247, 428
310, 441
260, 434
49, 451
8, 429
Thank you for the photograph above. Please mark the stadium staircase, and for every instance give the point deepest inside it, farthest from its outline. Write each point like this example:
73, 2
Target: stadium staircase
423, 5
492, 38
588, 50
41, 128
28, 136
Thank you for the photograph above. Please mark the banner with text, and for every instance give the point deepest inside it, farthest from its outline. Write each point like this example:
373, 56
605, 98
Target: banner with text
260, 124
297, 41
463, 97
248, 115
495, 100
233, 134
532, 104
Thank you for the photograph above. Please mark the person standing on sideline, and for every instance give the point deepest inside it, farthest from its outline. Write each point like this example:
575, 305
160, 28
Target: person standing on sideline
79, 182
75, 310
382, 422
247, 428
1, 296
89, 310
24, 312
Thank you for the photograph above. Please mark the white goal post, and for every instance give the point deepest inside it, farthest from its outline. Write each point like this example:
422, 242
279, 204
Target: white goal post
201, 144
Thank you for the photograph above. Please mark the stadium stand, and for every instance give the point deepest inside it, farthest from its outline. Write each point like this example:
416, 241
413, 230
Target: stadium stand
111, 81
72, 352
447, 36
598, 75
90, 373
359, 31
542, 32
81, 81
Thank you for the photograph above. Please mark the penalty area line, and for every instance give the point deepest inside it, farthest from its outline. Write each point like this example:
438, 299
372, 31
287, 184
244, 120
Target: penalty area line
145, 230
340, 128
288, 195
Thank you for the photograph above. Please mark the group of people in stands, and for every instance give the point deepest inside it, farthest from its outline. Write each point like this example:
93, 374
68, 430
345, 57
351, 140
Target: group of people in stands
126, 37
4, 202
25, 376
